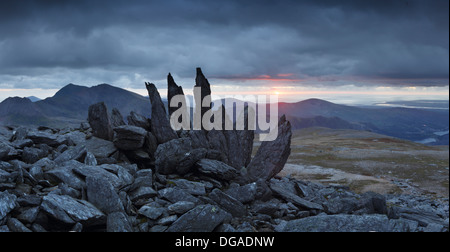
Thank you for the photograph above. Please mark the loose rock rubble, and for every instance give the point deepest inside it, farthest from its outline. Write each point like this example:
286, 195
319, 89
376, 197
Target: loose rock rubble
145, 177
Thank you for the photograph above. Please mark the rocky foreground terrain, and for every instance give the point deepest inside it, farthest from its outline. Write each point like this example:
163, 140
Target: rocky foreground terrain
108, 175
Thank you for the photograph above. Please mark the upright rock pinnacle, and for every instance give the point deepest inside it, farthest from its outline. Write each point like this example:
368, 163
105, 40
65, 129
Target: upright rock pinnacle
172, 90
202, 82
160, 124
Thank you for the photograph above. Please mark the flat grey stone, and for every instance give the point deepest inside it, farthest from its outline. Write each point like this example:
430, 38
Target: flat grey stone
7, 203
203, 218
71, 211
346, 223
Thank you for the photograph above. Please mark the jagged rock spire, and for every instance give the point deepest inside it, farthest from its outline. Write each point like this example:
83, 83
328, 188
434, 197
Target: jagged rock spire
272, 155
172, 90
160, 124
202, 82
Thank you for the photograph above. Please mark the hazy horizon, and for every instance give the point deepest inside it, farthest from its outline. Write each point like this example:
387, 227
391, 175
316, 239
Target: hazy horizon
355, 96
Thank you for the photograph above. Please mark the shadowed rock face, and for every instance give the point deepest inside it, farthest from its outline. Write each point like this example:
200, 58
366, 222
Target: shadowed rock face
116, 118
160, 124
99, 120
272, 155
202, 83
129, 137
172, 90
138, 120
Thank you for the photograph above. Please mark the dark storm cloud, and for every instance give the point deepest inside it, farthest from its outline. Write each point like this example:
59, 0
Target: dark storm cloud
318, 40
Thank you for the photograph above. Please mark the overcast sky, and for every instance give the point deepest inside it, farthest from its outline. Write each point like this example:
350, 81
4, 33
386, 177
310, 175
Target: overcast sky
50, 43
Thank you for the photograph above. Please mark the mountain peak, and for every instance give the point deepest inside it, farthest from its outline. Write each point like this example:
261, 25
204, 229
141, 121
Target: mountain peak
16, 100
316, 101
18, 106
105, 85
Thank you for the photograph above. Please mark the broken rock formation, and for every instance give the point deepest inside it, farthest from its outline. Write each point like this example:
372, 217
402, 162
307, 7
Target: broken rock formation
146, 177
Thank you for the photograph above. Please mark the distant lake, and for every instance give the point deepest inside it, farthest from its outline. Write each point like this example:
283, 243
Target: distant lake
433, 140
427, 141
441, 133
418, 104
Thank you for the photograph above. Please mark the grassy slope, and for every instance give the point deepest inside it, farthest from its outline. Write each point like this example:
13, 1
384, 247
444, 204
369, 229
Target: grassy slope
375, 155
410, 165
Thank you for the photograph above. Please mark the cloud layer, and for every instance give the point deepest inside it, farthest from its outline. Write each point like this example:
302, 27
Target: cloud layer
51, 43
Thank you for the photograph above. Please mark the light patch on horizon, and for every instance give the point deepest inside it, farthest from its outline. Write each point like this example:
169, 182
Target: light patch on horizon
37, 92
350, 94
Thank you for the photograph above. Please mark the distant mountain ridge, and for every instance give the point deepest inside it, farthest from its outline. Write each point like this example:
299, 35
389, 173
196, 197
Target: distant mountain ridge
22, 111
69, 107
406, 123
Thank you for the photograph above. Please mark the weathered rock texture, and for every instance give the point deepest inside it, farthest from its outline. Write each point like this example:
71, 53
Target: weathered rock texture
100, 121
204, 97
160, 124
272, 155
108, 176
172, 90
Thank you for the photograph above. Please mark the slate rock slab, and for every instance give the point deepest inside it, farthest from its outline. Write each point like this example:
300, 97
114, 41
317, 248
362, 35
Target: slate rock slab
70, 211
42, 137
7, 203
102, 194
228, 203
217, 169
129, 137
203, 218
346, 223
118, 222
281, 189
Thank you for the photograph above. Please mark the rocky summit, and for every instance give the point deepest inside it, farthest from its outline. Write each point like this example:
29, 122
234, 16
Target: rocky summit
142, 176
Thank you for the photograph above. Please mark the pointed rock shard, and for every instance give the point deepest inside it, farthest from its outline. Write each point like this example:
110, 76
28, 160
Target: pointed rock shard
272, 155
177, 105
100, 121
172, 90
160, 124
202, 83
